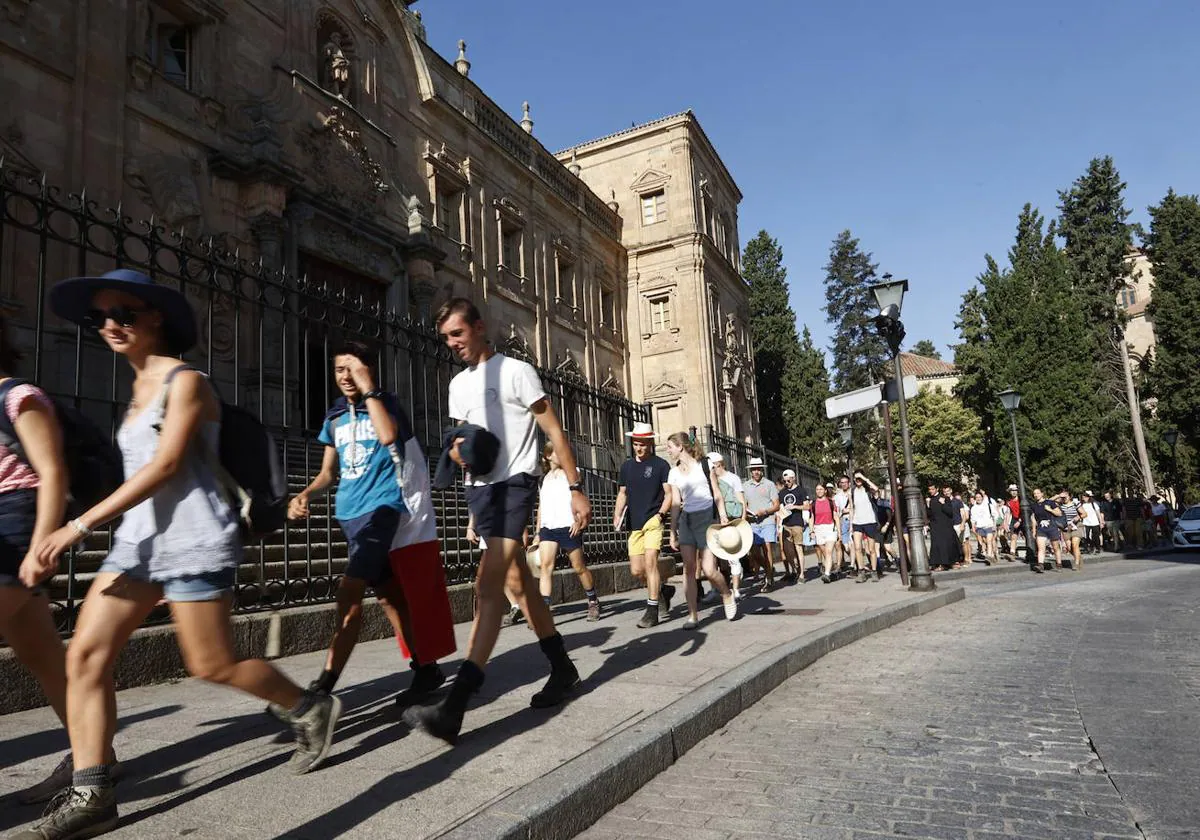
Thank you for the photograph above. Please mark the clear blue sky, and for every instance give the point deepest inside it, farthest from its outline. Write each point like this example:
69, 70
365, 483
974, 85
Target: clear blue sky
922, 126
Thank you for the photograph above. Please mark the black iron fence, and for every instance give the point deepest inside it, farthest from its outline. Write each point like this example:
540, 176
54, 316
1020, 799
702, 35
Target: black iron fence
265, 339
737, 454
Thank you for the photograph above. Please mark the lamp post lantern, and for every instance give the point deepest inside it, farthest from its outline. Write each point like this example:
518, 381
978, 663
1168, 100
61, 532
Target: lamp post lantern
1011, 400
847, 433
889, 296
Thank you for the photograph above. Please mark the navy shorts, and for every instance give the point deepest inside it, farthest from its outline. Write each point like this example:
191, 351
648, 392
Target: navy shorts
18, 510
369, 539
503, 509
562, 536
870, 530
1049, 532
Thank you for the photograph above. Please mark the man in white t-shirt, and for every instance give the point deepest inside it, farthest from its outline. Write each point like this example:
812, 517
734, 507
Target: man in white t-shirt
842, 499
504, 396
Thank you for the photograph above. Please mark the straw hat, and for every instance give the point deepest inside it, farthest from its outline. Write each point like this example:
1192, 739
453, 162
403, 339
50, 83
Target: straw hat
642, 431
730, 542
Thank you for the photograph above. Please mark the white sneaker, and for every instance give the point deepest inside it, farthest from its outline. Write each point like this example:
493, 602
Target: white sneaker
737, 595
731, 609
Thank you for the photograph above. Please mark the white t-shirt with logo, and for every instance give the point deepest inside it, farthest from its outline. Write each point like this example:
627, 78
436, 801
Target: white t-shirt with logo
497, 394
694, 490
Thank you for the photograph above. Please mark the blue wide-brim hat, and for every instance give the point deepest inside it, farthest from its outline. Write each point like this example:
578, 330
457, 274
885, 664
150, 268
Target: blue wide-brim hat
71, 299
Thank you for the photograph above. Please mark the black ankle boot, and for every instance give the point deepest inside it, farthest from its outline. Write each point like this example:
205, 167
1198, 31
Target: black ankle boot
444, 720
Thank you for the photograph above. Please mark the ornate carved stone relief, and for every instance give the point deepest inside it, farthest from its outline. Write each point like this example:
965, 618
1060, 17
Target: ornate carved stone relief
15, 10
568, 369
611, 383
516, 346
167, 183
341, 163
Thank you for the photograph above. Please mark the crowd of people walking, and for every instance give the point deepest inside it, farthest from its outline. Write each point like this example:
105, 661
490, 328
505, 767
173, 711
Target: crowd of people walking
182, 523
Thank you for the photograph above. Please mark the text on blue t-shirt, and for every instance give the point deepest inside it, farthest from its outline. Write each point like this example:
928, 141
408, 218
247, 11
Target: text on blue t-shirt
367, 474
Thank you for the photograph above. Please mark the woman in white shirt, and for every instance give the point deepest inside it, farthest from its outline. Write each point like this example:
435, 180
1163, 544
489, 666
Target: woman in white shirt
1092, 521
557, 528
692, 492
983, 523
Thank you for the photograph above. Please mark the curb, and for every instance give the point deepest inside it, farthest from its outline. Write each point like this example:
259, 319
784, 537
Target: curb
1021, 566
568, 800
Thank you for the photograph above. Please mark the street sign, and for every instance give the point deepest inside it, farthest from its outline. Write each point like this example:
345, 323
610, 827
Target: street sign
910, 389
852, 402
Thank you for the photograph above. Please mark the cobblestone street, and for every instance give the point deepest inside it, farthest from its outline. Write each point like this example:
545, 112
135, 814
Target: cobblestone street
1063, 706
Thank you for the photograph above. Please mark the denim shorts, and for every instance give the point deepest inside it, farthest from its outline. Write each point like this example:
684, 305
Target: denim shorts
369, 539
210, 586
18, 510
764, 532
563, 538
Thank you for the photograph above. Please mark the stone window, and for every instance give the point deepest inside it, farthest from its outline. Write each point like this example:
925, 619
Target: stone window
564, 271
608, 307
449, 211
171, 48
510, 248
1128, 297
660, 313
654, 207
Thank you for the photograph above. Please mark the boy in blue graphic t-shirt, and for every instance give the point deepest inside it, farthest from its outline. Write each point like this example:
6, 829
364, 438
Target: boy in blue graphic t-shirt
361, 433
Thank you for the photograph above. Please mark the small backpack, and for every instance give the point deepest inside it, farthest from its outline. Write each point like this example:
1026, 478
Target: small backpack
733, 508
94, 465
247, 466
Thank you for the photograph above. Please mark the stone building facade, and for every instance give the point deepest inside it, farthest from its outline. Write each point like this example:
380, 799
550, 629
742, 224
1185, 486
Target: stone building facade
1133, 298
687, 317
326, 138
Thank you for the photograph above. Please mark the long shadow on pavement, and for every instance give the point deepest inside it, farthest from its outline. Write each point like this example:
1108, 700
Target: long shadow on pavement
401, 785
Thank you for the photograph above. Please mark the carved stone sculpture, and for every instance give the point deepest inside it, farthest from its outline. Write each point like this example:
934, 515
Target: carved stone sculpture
337, 67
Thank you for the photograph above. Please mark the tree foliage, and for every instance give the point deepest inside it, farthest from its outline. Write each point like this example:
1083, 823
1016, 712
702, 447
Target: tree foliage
1098, 238
792, 385
1173, 246
1021, 327
946, 437
925, 347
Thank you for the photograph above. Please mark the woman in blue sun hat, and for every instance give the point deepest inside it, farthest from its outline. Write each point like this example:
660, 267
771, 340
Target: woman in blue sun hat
178, 540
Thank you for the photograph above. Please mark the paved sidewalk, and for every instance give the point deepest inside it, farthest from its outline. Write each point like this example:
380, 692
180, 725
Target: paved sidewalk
205, 762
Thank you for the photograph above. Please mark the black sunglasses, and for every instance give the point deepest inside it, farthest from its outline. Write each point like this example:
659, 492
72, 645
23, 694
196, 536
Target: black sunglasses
124, 316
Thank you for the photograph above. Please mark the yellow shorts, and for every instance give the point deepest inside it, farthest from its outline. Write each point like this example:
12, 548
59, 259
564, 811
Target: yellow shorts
649, 538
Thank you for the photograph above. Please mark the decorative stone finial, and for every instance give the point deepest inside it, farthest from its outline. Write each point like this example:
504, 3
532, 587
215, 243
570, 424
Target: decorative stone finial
526, 123
612, 204
574, 165
461, 64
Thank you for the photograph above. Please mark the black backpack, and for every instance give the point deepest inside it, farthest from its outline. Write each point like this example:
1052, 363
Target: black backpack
94, 465
248, 466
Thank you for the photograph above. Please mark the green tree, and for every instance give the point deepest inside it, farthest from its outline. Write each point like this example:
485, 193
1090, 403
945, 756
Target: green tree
1021, 328
777, 375
811, 432
858, 353
1173, 246
1098, 238
945, 435
925, 347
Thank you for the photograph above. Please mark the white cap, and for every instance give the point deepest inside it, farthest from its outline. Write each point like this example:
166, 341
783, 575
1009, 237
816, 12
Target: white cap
715, 458
789, 473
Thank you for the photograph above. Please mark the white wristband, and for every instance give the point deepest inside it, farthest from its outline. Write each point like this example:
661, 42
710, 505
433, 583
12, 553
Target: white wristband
80, 528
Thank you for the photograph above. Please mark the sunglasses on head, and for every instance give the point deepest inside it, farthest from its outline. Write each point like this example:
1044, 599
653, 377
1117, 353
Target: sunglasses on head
125, 316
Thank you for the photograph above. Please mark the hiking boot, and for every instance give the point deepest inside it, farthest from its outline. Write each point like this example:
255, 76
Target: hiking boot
60, 778
563, 679
514, 615
426, 680
436, 720
593, 611
878, 576
824, 578
651, 617
76, 812
314, 733
665, 593
862, 576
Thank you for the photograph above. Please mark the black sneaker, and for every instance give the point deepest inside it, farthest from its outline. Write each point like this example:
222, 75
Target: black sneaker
314, 733
514, 615
76, 812
824, 578
878, 576
651, 617
426, 680
436, 720
284, 715
665, 593
562, 680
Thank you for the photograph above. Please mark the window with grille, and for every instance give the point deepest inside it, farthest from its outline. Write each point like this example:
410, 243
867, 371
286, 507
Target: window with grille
449, 213
660, 313
510, 250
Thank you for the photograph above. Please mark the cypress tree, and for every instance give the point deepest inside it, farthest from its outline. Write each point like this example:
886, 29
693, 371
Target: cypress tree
811, 431
776, 349
925, 347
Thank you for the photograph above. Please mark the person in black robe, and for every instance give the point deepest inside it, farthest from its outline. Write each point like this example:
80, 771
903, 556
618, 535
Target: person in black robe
944, 547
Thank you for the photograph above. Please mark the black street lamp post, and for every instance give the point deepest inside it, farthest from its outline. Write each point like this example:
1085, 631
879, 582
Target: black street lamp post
1171, 436
889, 295
1011, 400
847, 433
